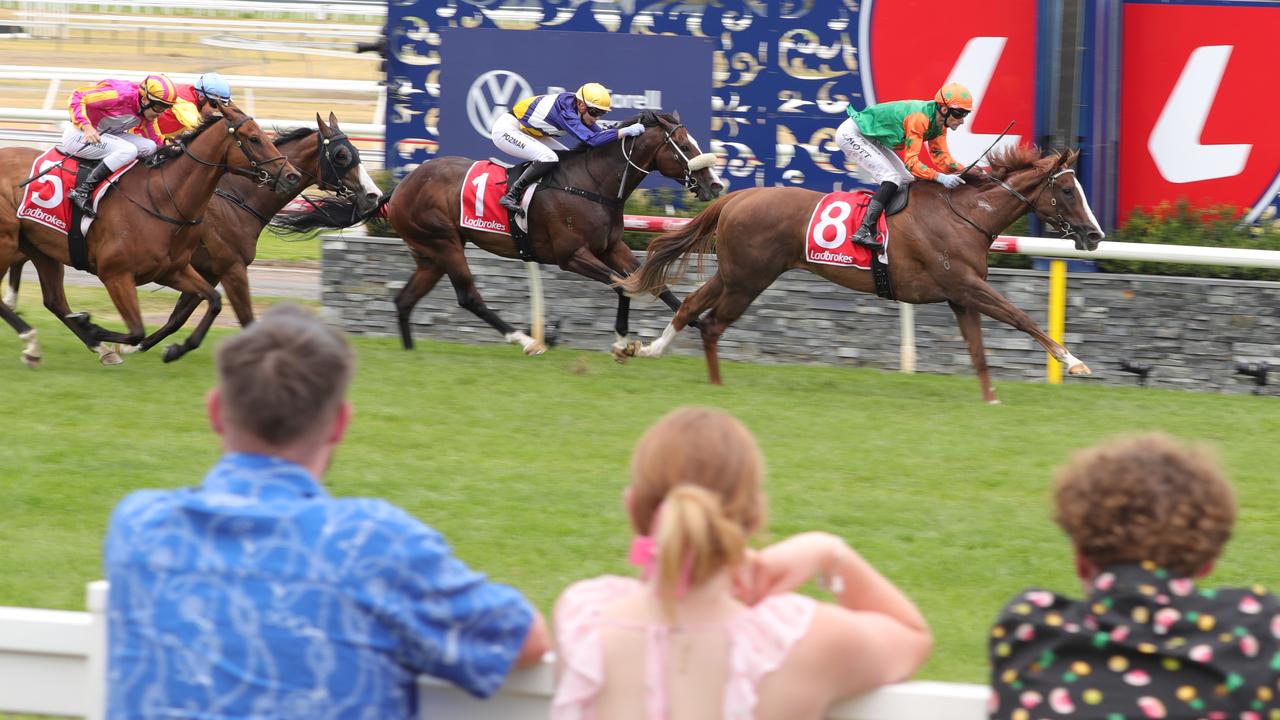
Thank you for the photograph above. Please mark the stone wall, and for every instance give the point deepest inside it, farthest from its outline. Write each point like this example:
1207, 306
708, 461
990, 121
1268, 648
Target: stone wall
1192, 330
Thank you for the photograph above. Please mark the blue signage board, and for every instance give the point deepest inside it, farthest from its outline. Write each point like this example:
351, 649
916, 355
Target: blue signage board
487, 71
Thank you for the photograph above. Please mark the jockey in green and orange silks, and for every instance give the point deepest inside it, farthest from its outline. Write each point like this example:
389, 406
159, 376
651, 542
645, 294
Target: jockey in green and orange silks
868, 138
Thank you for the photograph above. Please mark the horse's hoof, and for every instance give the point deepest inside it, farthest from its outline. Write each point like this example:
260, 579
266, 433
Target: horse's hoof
535, 348
111, 357
31, 361
619, 354
173, 352
994, 401
1079, 369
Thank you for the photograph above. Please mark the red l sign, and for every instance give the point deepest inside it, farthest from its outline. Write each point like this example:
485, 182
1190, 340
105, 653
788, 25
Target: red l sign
1195, 107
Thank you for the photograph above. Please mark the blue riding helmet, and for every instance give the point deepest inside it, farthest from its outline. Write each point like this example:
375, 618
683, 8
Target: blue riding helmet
213, 85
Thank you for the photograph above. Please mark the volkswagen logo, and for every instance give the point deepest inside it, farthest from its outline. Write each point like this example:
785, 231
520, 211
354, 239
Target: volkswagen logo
492, 94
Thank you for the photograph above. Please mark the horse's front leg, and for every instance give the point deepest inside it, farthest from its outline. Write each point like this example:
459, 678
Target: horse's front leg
182, 311
586, 264
189, 282
15, 281
980, 296
970, 323
51, 274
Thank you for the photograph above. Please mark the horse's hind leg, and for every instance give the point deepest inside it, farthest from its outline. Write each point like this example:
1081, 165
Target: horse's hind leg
15, 280
686, 315
31, 352
182, 310
51, 274
970, 323
423, 280
235, 285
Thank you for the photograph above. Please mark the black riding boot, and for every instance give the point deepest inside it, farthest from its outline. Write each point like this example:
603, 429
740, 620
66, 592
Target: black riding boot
82, 195
536, 169
866, 234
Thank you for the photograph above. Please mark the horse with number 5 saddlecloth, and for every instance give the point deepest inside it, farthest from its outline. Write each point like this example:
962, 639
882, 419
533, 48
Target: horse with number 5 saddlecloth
937, 252
575, 220
139, 235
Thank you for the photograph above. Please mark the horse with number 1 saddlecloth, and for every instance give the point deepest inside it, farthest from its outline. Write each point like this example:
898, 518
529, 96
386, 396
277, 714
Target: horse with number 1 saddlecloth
139, 235
937, 250
575, 220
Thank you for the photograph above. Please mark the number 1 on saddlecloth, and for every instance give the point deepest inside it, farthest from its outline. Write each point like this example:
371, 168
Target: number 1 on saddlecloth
480, 181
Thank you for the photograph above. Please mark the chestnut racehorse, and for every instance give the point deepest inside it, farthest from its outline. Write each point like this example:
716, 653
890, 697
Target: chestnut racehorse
139, 235
937, 251
575, 221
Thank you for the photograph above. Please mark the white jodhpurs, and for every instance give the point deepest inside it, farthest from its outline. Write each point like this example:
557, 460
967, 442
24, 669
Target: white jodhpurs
875, 162
510, 139
115, 151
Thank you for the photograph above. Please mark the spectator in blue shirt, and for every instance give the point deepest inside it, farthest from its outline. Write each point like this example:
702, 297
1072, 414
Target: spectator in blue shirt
257, 594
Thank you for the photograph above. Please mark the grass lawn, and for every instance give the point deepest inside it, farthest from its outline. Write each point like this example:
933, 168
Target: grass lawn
273, 246
521, 463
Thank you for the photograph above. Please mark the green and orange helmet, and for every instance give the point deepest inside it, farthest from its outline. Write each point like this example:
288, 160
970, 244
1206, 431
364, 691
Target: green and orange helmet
954, 99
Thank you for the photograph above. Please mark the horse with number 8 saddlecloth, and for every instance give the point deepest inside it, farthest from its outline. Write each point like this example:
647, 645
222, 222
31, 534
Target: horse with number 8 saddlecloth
938, 250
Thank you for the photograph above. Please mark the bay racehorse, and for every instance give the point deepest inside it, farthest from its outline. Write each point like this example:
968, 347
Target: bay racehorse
138, 236
227, 240
575, 220
937, 250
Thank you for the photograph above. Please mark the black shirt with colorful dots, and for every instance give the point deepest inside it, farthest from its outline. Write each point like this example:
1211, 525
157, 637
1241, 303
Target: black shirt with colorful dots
1142, 645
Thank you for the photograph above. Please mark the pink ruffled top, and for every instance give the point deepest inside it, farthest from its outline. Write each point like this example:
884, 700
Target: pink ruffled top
760, 638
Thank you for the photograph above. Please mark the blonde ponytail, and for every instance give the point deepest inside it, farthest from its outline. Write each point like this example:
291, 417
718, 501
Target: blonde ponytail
695, 541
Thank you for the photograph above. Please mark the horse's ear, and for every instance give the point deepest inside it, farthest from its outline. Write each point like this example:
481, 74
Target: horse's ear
1073, 156
333, 120
675, 114
319, 122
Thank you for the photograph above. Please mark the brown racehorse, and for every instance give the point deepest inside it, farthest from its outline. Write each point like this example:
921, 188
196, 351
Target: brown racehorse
138, 236
240, 209
937, 250
574, 230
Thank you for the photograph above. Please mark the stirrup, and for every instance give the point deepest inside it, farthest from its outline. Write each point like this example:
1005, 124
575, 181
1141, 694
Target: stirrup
85, 204
511, 204
866, 240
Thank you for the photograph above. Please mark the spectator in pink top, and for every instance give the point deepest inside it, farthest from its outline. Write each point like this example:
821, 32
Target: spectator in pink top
713, 629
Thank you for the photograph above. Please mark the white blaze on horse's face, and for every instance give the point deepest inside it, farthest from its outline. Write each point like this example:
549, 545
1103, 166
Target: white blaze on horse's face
367, 185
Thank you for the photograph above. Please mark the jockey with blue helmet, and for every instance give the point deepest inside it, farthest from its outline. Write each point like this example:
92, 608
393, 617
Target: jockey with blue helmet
195, 103
533, 128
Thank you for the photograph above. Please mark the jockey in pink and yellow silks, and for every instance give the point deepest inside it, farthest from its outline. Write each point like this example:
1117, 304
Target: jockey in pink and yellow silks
869, 138
102, 116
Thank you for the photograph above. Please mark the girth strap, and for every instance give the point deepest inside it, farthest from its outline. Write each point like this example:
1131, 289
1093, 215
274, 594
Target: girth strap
593, 197
240, 204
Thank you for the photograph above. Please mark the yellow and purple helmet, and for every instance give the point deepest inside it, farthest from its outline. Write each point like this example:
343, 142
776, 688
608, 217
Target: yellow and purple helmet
954, 96
595, 96
158, 89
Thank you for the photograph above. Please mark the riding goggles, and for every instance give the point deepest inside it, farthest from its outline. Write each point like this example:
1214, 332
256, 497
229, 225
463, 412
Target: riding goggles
596, 112
958, 113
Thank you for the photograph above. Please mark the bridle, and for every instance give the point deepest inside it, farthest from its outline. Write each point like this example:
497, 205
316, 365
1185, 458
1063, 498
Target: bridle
1058, 222
257, 170
330, 178
704, 160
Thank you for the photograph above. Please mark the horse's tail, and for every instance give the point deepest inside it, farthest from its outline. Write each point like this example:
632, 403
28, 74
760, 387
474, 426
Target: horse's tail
334, 213
664, 250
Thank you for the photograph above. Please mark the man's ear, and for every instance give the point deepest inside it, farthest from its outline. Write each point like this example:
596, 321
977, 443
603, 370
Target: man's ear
213, 406
341, 422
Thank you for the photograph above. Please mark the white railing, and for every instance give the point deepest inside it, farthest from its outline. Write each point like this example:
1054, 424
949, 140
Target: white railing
258, 82
53, 662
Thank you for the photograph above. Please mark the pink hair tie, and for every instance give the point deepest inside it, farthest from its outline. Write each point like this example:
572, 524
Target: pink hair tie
643, 554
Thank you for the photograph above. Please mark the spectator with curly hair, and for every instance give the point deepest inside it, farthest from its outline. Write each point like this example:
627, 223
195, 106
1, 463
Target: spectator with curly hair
1146, 517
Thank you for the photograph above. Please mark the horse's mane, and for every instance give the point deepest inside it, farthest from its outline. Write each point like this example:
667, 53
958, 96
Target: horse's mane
1006, 160
174, 148
648, 118
284, 137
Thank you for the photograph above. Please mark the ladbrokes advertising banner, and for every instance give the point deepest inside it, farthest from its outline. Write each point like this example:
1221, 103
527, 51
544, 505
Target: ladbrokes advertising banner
1198, 104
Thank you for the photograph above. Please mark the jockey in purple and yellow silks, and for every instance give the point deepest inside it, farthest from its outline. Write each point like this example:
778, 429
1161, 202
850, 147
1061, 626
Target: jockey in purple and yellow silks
102, 116
869, 137
531, 129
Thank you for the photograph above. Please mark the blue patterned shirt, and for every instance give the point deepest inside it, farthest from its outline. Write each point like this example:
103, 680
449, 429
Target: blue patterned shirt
259, 595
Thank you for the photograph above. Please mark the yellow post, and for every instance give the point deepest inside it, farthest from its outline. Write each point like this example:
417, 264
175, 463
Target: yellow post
1057, 314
